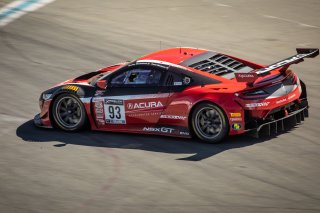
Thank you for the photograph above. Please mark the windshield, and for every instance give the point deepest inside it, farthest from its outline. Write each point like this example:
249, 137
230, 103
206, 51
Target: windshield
95, 78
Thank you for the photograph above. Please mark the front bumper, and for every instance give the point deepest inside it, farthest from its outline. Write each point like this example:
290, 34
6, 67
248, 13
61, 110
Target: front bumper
40, 123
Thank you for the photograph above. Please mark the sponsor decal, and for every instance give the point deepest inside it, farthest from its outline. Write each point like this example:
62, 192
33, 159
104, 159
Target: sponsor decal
130, 105
179, 83
158, 129
236, 126
144, 105
71, 87
235, 119
114, 111
262, 104
98, 93
282, 63
184, 133
144, 115
281, 101
99, 104
113, 101
235, 114
98, 107
98, 110
100, 116
174, 117
246, 77
186, 80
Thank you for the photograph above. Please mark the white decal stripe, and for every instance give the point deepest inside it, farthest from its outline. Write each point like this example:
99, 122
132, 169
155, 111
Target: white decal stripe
160, 62
125, 97
129, 97
18, 8
85, 100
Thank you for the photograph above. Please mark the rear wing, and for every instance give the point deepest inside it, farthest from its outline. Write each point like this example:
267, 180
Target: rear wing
302, 53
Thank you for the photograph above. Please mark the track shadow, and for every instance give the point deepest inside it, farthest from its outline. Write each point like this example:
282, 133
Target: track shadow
29, 133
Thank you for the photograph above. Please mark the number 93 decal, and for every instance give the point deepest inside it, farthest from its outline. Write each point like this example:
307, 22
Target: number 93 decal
114, 111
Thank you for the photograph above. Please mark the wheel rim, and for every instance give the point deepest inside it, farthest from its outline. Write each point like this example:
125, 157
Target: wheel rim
208, 122
68, 112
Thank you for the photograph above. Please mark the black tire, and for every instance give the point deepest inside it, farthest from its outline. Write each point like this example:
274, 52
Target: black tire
209, 123
68, 113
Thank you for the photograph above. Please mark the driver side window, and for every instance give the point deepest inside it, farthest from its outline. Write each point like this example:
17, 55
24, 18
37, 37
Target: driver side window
137, 77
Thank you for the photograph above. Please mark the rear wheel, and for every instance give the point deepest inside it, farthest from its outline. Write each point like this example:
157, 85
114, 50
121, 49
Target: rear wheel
209, 123
68, 112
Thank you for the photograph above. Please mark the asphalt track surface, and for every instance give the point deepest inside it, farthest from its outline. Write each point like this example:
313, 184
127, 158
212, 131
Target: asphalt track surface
53, 171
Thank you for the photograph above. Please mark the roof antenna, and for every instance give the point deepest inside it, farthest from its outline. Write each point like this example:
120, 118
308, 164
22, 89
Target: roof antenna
180, 49
160, 45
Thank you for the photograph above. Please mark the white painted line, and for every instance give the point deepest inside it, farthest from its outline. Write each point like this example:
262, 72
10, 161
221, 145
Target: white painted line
18, 8
290, 21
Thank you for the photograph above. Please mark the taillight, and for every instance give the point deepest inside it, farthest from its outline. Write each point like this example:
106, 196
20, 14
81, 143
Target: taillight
254, 94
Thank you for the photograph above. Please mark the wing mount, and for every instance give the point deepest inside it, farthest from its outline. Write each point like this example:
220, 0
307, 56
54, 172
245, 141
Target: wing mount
285, 63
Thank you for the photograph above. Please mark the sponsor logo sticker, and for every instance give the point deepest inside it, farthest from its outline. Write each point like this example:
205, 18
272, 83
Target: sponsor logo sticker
246, 77
98, 93
158, 129
174, 117
71, 87
282, 63
113, 101
236, 126
144, 105
281, 101
98, 106
235, 119
186, 80
114, 111
235, 114
262, 104
184, 133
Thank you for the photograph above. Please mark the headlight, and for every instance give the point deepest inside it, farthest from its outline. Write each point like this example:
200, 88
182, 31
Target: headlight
46, 96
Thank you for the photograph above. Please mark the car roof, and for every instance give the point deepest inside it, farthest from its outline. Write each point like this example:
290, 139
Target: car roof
217, 65
174, 55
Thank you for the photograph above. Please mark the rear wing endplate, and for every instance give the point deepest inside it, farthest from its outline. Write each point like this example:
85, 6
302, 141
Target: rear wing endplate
302, 53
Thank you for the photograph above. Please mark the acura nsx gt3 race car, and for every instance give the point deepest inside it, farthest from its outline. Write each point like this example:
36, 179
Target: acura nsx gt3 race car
181, 92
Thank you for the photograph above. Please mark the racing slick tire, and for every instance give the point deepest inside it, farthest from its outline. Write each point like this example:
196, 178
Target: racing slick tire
68, 113
209, 123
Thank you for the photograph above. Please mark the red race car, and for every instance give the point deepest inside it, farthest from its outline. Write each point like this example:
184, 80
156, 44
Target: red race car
181, 92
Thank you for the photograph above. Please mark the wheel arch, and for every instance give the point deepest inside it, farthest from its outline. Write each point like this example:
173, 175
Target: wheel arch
55, 96
202, 102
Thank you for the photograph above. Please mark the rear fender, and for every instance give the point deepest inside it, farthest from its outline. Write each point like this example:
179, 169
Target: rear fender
233, 111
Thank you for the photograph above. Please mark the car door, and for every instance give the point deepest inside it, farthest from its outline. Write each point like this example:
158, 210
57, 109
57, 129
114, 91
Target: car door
134, 97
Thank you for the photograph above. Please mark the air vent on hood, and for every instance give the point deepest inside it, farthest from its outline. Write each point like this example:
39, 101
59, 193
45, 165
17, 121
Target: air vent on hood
216, 63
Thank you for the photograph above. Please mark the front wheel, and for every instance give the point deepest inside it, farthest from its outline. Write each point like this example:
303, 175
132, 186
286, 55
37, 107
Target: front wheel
68, 112
209, 123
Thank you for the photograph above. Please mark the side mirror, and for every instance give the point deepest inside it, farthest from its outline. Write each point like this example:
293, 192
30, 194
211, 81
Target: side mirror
102, 84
